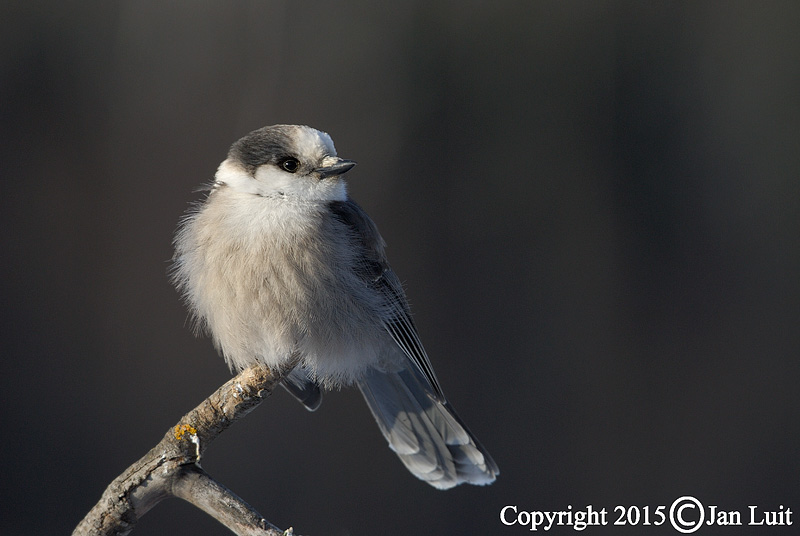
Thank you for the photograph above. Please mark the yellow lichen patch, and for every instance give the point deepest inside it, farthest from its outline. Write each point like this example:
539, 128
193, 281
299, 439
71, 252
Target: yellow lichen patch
182, 429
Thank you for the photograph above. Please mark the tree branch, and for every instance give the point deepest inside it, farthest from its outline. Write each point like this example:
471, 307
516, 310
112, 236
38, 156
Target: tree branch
171, 468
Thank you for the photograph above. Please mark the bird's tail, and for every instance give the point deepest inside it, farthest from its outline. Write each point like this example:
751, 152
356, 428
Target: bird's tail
427, 435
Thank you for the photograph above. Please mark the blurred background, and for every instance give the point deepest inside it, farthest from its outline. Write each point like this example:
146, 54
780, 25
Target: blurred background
594, 206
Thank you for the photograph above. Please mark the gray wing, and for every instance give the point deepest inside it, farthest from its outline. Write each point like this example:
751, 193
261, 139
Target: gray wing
376, 272
409, 406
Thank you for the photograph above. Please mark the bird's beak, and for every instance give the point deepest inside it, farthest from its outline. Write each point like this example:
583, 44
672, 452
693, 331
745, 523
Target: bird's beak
333, 167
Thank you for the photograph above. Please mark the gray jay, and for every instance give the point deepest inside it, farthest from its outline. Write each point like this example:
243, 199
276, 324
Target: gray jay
278, 264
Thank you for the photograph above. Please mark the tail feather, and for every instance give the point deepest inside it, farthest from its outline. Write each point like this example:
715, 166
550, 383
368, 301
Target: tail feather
427, 435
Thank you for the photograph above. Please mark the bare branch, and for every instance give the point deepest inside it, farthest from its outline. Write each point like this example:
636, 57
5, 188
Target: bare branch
171, 468
197, 487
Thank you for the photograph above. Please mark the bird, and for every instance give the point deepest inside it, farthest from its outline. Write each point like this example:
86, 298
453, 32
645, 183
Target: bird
278, 264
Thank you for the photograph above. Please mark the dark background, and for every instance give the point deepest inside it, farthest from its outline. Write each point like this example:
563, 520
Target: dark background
594, 206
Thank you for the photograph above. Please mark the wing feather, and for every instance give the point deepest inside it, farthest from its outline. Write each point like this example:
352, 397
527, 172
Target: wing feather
376, 272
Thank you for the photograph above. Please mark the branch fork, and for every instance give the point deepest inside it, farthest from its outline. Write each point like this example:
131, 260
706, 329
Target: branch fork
172, 468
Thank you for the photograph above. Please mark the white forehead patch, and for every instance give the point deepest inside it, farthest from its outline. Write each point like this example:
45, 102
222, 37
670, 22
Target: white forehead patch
312, 143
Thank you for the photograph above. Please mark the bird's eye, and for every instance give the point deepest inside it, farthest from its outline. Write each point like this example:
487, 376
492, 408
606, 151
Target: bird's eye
290, 164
